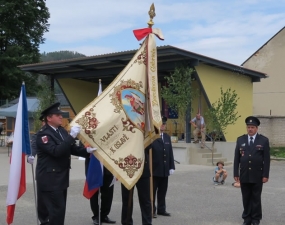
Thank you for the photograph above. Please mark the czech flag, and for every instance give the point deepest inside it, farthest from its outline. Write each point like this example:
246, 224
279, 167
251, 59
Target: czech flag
21, 148
94, 178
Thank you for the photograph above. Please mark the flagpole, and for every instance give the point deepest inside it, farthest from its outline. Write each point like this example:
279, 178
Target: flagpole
150, 23
99, 203
99, 191
151, 181
34, 186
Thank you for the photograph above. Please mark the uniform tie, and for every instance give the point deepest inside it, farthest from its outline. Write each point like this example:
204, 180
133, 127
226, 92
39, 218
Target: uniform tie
251, 141
57, 130
161, 136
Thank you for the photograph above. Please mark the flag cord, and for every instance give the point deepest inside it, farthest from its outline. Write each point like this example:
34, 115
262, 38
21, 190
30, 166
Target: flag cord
32, 166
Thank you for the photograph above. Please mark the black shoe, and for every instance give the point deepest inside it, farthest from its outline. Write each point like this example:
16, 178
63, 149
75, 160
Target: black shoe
96, 221
164, 214
246, 223
107, 220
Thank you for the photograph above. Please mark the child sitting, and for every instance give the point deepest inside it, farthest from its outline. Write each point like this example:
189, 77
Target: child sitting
220, 173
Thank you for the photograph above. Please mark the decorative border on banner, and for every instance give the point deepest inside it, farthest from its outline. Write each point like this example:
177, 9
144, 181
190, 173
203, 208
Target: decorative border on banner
89, 123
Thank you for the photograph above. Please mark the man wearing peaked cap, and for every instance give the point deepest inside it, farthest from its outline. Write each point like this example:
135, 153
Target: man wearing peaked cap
53, 109
54, 149
162, 166
252, 120
251, 169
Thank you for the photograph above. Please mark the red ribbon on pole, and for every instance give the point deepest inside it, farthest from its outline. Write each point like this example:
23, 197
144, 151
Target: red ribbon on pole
142, 33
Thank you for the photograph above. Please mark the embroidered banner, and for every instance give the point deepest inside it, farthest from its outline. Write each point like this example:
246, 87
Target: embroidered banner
121, 122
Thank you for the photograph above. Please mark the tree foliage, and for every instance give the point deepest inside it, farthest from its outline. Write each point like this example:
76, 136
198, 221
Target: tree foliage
22, 26
60, 55
46, 97
178, 93
223, 113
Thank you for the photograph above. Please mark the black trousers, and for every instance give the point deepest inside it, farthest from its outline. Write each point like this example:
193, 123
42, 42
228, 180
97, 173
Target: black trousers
41, 208
55, 202
251, 198
106, 198
160, 185
143, 190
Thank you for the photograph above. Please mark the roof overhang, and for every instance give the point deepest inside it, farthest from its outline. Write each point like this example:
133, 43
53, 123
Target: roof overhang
108, 66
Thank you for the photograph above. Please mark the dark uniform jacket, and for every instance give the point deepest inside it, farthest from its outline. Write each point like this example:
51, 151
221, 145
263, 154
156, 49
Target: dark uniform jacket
53, 163
162, 156
251, 164
34, 144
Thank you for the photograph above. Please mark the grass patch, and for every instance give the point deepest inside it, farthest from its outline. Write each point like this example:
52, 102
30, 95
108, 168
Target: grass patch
277, 152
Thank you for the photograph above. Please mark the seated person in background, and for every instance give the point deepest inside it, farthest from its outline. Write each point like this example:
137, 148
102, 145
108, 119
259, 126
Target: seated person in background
220, 173
199, 125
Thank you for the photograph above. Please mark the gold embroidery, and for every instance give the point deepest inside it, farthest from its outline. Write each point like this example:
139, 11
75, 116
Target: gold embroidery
130, 164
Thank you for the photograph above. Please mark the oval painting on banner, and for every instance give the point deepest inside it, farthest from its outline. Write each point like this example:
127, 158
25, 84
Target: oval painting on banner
133, 105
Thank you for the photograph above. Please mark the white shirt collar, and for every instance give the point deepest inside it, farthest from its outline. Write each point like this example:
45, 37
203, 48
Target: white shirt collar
254, 136
53, 127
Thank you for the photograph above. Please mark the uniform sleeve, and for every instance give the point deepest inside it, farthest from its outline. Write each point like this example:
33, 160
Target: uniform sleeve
266, 158
56, 148
79, 151
236, 160
171, 157
193, 120
34, 144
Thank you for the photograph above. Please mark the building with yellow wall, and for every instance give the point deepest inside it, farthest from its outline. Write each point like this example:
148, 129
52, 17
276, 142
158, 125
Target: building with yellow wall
78, 79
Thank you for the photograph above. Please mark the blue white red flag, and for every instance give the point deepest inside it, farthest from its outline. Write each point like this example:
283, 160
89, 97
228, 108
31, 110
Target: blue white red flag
21, 148
94, 178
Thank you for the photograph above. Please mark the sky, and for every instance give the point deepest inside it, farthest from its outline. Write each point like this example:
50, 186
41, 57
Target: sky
227, 30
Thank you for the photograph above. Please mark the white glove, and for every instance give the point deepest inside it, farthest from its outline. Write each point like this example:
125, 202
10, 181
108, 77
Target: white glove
30, 159
90, 149
171, 171
74, 131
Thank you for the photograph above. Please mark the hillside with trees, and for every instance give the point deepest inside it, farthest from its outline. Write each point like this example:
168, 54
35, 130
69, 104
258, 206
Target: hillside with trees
60, 55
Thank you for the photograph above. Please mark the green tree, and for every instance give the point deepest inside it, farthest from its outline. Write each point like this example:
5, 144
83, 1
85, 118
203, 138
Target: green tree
22, 26
46, 97
222, 114
178, 93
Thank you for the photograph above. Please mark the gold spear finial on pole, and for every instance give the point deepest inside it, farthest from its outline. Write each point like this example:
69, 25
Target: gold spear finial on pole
151, 14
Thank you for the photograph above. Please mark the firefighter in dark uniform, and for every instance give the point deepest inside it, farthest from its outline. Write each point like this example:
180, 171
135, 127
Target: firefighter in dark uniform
163, 166
143, 189
106, 197
54, 148
251, 169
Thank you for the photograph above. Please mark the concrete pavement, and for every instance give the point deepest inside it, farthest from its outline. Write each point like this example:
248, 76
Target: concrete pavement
191, 199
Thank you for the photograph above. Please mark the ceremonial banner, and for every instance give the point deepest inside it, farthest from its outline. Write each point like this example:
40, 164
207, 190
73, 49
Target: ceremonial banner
121, 122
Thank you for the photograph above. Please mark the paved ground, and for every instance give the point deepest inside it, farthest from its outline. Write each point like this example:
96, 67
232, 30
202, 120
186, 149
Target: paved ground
192, 198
